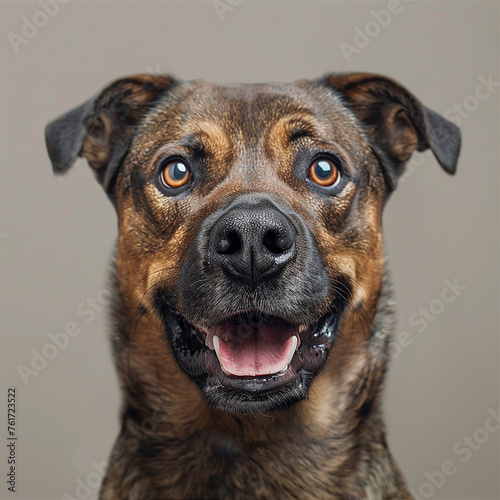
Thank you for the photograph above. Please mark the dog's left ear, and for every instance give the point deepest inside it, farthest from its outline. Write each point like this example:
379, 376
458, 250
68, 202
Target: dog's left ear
102, 127
397, 122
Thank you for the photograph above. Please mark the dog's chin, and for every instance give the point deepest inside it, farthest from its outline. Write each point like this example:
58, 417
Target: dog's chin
252, 362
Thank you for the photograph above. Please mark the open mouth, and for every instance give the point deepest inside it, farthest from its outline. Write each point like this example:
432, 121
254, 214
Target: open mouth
253, 346
252, 361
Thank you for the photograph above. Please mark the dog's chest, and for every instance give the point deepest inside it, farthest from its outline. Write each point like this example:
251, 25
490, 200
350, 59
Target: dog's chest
218, 465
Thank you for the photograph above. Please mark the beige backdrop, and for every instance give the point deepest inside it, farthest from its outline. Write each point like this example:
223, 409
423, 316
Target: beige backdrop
56, 235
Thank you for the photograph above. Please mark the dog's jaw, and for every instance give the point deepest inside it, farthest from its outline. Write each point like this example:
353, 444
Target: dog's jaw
306, 348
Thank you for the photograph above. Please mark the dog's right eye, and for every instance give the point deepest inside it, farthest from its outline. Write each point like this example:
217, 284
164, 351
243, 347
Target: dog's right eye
175, 174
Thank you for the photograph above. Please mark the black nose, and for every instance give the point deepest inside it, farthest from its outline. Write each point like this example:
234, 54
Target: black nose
253, 244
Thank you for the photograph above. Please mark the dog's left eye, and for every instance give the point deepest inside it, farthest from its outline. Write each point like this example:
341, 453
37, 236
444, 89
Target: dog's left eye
175, 174
324, 172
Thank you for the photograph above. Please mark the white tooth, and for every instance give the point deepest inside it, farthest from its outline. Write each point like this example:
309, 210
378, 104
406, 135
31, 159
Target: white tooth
215, 340
295, 342
302, 333
224, 370
284, 370
216, 347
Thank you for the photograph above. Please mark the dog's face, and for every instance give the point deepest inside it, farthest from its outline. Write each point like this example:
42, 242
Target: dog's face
250, 216
257, 211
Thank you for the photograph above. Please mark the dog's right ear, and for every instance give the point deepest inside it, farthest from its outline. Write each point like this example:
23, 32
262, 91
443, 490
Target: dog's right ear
101, 128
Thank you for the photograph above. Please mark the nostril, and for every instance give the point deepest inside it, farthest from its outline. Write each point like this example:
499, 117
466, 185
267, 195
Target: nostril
275, 242
229, 243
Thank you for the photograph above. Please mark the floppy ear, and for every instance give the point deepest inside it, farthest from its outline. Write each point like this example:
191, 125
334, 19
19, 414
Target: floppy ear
397, 122
101, 128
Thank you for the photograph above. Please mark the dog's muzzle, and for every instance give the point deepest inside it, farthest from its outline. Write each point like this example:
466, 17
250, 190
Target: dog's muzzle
256, 322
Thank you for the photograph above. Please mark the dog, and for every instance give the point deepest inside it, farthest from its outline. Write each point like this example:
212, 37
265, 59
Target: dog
252, 305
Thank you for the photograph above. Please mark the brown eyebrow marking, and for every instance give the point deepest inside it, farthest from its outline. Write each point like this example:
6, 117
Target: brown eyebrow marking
289, 130
299, 129
204, 140
295, 127
195, 144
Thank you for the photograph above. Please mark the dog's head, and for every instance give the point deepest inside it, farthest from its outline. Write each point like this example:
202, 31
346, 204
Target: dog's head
250, 216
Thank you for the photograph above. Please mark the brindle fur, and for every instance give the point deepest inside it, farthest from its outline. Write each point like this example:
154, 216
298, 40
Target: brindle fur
172, 444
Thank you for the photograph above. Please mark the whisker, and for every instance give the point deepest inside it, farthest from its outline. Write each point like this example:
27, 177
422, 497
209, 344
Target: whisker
141, 310
361, 314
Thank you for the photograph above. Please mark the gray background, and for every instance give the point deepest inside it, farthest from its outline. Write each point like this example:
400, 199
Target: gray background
56, 235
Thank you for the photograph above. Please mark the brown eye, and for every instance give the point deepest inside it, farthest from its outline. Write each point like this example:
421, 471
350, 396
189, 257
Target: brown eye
324, 172
175, 174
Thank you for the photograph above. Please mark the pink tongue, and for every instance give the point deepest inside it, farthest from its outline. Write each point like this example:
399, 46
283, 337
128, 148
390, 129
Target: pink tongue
244, 352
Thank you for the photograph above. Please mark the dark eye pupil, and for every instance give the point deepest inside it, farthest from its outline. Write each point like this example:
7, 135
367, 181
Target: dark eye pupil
323, 169
178, 171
